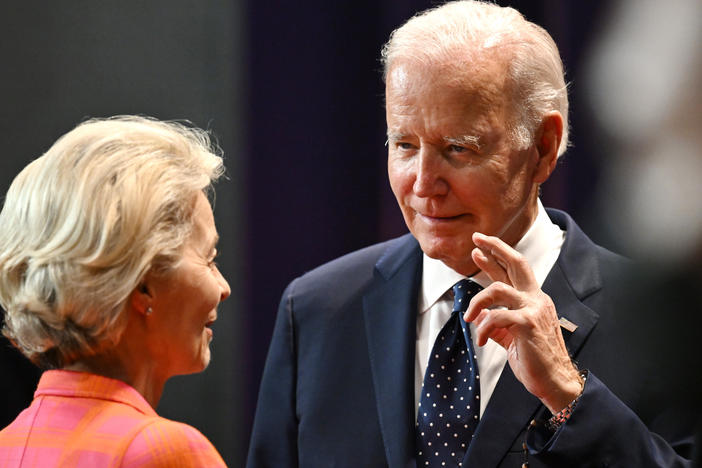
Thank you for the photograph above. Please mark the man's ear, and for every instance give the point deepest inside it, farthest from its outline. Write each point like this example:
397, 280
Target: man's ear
548, 140
141, 298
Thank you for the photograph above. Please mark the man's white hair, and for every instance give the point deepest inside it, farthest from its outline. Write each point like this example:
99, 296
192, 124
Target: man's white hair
458, 32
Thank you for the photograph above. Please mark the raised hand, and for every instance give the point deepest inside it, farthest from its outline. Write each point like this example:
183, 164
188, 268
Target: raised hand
514, 312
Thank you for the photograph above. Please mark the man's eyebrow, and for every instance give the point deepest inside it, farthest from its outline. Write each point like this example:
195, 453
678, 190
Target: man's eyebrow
471, 140
395, 136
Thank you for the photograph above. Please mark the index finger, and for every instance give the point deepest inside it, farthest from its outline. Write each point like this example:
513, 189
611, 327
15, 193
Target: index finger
518, 270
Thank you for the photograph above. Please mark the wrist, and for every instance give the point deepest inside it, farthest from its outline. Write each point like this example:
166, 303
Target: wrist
564, 390
560, 417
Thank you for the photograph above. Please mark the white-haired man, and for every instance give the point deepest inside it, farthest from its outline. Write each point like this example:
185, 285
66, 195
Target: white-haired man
372, 361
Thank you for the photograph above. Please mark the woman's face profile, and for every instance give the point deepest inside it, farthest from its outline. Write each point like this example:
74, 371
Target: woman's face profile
185, 300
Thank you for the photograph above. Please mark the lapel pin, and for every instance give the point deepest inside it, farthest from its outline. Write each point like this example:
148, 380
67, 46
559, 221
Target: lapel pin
567, 324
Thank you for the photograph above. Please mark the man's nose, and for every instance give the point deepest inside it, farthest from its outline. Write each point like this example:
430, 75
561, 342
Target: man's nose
430, 170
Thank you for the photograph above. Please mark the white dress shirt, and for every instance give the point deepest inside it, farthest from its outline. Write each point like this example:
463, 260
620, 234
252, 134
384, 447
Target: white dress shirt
541, 246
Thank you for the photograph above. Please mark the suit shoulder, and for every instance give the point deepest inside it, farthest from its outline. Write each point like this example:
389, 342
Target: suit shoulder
612, 258
354, 267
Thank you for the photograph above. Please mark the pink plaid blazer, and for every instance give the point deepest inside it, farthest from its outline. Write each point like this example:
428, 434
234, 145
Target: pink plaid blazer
85, 420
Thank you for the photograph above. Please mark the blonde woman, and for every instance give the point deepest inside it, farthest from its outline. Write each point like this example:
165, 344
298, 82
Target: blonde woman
108, 280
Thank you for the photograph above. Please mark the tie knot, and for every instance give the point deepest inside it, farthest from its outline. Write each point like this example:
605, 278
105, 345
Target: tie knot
463, 291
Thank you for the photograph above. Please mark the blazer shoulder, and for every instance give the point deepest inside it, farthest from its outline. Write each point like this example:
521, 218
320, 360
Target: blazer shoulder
577, 239
356, 268
587, 266
161, 442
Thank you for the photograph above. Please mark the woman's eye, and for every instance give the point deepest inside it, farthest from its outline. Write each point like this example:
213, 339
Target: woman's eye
213, 260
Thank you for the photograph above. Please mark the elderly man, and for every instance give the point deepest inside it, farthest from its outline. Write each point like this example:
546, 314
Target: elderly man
376, 360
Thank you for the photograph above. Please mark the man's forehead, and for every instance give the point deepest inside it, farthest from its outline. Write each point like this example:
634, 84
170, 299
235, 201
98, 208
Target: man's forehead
442, 96
481, 69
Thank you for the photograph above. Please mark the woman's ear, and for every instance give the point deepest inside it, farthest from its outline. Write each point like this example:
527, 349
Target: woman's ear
548, 140
141, 299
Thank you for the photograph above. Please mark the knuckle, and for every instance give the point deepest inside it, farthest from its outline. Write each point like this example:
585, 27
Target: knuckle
499, 287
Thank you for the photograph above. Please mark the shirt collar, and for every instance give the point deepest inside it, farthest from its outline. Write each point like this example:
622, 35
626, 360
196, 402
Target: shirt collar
542, 237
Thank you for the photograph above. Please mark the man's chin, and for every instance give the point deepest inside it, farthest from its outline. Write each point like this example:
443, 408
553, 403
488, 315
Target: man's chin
455, 254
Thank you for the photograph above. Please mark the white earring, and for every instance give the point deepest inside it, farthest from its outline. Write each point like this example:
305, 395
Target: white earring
148, 311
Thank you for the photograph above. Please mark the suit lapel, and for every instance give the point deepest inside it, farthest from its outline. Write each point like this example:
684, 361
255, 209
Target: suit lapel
574, 276
570, 307
390, 321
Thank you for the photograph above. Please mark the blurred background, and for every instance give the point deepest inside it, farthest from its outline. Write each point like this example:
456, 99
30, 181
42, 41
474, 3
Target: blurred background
293, 94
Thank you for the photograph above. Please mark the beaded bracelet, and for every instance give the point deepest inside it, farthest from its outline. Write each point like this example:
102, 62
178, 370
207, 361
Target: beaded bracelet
562, 416
555, 421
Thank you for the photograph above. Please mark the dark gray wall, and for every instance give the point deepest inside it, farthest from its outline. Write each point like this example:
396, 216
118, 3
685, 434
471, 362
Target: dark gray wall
173, 59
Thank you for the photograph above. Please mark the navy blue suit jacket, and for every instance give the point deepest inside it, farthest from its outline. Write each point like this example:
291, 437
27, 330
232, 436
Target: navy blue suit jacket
338, 387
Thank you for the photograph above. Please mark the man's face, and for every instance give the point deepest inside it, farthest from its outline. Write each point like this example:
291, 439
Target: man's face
452, 166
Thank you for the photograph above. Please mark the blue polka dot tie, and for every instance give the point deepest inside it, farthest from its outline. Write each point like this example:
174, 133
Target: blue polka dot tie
449, 406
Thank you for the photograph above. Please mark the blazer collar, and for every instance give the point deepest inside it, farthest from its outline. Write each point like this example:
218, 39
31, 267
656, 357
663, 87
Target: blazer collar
390, 312
575, 276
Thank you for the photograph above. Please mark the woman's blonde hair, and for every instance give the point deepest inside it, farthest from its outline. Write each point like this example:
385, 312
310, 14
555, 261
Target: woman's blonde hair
81, 226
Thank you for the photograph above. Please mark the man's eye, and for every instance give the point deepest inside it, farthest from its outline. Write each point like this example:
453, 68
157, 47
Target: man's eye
404, 145
457, 149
